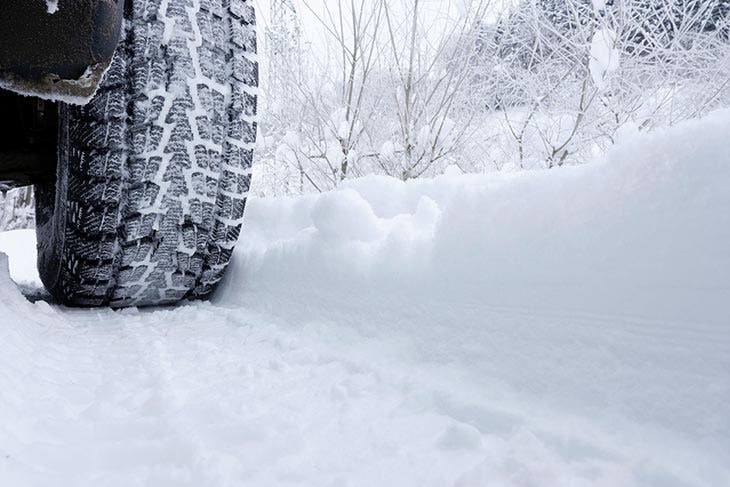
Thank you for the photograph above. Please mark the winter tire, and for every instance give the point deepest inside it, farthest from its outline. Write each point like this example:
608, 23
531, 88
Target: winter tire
153, 173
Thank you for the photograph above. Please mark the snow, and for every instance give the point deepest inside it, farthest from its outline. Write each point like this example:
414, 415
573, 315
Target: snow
605, 58
21, 245
52, 6
551, 328
63, 90
603, 237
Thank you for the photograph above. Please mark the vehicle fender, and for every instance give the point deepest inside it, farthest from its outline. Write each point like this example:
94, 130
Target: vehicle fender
58, 50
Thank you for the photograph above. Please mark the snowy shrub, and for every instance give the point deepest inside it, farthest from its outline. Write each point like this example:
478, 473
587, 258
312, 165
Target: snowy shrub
410, 88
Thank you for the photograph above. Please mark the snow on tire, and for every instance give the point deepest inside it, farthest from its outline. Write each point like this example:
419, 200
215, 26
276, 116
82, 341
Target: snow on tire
154, 172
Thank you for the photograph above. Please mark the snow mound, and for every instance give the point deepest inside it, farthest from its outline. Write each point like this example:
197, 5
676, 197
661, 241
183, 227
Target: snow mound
21, 245
643, 233
600, 291
10, 298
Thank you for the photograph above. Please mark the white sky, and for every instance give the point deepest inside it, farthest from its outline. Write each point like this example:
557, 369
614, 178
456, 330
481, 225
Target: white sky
435, 13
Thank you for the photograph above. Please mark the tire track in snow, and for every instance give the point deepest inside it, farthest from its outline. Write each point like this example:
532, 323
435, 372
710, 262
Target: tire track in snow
202, 395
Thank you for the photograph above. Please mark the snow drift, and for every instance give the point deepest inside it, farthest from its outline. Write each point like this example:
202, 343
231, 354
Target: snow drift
644, 232
600, 290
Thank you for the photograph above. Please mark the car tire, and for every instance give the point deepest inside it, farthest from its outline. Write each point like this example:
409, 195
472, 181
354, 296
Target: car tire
153, 173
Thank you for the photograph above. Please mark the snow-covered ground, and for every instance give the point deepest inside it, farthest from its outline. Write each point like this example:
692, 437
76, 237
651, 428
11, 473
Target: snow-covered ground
555, 328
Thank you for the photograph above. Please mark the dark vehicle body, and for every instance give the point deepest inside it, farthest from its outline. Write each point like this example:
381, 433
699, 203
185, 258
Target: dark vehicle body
48, 53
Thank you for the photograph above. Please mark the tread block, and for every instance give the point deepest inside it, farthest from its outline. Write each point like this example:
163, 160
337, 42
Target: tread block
137, 254
122, 296
106, 106
239, 158
242, 130
142, 197
138, 227
245, 70
93, 221
91, 248
144, 10
144, 168
243, 35
242, 103
116, 74
94, 192
97, 164
97, 135
243, 10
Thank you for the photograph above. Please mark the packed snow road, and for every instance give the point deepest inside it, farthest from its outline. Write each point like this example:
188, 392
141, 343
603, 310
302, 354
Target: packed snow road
568, 328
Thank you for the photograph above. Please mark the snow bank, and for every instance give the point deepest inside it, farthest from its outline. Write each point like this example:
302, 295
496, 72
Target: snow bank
643, 232
21, 245
11, 300
600, 292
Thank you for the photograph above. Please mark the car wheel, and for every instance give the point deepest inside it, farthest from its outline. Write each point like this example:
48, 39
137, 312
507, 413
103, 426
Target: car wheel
154, 171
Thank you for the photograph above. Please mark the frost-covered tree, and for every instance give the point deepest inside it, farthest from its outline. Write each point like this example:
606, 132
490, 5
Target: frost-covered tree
323, 94
427, 81
566, 76
408, 88
17, 209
